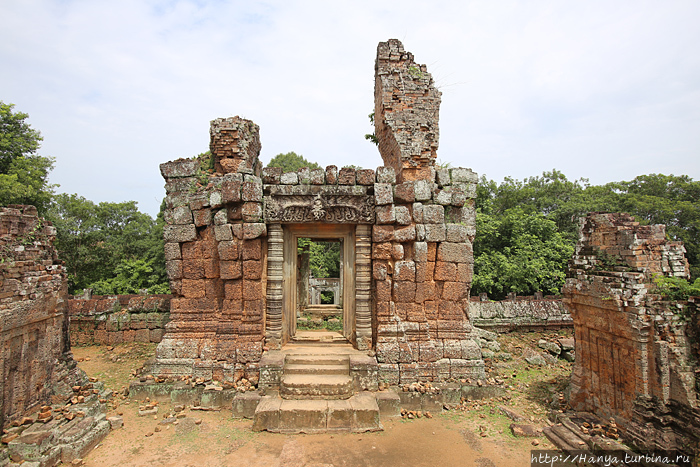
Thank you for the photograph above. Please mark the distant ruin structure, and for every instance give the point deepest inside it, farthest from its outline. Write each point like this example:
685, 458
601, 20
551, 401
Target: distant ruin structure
636, 353
406, 232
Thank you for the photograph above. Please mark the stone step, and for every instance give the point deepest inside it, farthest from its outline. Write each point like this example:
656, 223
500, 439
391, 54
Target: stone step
565, 439
359, 413
316, 359
319, 337
316, 386
325, 369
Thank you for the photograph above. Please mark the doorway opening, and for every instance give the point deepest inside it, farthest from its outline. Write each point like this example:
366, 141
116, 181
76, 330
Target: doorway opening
318, 282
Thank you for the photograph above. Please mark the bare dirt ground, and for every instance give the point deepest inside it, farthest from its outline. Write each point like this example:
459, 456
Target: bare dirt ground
477, 433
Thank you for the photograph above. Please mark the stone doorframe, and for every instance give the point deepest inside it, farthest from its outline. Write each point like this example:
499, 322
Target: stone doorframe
282, 278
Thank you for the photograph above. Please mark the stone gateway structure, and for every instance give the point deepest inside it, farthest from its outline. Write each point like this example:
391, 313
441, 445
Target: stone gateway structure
405, 231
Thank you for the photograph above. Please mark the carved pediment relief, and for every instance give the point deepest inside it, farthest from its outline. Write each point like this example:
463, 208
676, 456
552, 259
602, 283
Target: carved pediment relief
330, 208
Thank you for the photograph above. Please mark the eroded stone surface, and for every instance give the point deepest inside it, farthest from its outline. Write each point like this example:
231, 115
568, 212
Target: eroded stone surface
39, 373
635, 360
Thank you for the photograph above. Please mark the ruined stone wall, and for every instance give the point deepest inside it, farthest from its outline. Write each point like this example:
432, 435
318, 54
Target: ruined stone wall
634, 357
114, 319
420, 258
522, 313
406, 110
215, 256
35, 345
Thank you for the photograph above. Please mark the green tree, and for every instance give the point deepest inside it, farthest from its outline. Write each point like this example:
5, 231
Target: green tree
105, 241
324, 257
652, 199
23, 173
518, 252
291, 162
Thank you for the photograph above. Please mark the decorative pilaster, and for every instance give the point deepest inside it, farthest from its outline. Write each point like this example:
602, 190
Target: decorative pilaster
275, 260
363, 271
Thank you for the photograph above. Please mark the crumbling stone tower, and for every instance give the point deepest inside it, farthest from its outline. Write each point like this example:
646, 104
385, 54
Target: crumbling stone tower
635, 356
406, 231
406, 110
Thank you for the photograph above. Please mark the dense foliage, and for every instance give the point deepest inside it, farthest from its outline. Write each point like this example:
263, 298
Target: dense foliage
512, 237
291, 162
675, 288
324, 257
110, 247
23, 173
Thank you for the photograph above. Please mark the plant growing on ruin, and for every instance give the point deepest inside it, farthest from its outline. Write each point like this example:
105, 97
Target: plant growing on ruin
415, 72
676, 288
291, 162
372, 137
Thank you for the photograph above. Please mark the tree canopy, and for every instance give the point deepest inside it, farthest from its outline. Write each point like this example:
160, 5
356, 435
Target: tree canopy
110, 247
291, 162
23, 173
512, 216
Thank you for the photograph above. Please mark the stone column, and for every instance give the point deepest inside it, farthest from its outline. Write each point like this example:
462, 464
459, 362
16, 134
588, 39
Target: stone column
363, 268
275, 259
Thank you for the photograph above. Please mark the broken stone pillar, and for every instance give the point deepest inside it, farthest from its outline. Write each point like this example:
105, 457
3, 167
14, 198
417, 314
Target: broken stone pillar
215, 255
235, 143
422, 256
635, 357
406, 108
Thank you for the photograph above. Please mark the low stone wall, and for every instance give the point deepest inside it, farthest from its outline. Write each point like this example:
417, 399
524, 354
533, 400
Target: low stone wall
534, 313
113, 319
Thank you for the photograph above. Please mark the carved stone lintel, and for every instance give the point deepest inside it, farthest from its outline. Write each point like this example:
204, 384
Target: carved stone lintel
334, 209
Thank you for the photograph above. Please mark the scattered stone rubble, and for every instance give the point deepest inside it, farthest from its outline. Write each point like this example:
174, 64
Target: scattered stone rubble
50, 411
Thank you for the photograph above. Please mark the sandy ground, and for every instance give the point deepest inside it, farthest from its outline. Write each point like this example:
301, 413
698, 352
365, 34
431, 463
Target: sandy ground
476, 435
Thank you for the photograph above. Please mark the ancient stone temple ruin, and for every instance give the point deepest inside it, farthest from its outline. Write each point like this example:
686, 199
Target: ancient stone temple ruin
405, 231
636, 353
50, 412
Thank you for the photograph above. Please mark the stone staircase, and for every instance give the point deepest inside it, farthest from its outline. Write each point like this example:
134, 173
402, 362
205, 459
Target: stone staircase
316, 376
317, 388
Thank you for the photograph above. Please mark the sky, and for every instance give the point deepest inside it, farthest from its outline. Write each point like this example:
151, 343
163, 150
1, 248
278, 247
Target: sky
604, 90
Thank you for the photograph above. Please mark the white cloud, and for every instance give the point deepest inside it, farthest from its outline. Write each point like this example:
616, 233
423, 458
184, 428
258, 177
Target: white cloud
604, 90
